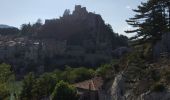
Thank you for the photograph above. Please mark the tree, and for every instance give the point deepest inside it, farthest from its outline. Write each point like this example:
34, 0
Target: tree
73, 75
150, 22
64, 91
36, 27
28, 82
6, 76
82, 74
105, 71
31, 29
44, 86
66, 12
26, 29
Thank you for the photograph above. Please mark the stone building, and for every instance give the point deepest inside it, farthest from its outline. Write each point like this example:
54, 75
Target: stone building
89, 89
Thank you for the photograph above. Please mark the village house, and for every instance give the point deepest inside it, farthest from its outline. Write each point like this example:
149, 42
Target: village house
89, 89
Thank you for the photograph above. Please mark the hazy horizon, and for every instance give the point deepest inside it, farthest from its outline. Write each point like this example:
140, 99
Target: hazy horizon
17, 12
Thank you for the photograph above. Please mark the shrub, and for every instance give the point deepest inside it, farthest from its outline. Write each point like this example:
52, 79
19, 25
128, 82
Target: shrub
158, 88
167, 76
105, 71
64, 91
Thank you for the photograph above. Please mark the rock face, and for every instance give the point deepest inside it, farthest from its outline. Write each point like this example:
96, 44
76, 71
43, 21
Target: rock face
81, 38
162, 46
155, 96
118, 88
119, 91
128, 86
119, 52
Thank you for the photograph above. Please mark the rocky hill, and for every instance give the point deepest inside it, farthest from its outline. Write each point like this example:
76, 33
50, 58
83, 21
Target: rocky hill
78, 39
81, 27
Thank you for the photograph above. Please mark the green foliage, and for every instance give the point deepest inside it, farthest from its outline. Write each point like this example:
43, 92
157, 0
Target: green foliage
4, 92
6, 76
28, 83
15, 89
5, 73
82, 74
158, 88
140, 53
37, 88
73, 75
167, 76
43, 86
151, 20
105, 71
64, 91
155, 75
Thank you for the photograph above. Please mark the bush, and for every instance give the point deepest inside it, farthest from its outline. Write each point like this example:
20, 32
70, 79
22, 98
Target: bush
28, 83
43, 86
73, 75
6, 77
158, 88
105, 71
64, 91
167, 76
155, 75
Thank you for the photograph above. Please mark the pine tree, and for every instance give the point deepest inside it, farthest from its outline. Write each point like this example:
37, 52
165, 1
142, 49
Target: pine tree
28, 82
150, 22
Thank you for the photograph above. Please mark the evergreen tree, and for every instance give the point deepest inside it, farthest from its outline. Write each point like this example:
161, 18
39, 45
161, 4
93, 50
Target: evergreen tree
28, 83
43, 86
150, 22
66, 12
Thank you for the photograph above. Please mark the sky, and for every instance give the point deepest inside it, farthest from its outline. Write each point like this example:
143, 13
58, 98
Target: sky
114, 12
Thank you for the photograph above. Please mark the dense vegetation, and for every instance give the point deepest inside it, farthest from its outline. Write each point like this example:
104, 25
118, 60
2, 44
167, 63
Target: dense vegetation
56, 84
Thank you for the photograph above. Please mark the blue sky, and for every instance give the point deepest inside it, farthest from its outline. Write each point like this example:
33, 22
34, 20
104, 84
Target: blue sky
114, 12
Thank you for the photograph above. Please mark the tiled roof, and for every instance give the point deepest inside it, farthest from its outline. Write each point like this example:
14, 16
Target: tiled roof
92, 84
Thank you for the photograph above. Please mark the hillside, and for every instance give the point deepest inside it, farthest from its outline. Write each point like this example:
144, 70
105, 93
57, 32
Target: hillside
140, 81
8, 30
5, 26
78, 39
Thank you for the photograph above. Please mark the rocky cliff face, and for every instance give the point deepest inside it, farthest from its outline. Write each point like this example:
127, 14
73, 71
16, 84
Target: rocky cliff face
118, 88
125, 86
